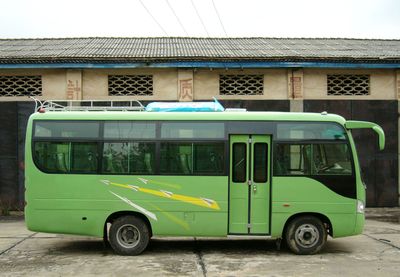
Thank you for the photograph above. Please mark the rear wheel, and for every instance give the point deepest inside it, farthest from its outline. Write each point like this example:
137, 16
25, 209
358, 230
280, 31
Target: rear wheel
129, 235
306, 235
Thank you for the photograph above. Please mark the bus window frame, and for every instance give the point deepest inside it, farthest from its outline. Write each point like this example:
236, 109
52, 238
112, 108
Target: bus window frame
100, 169
224, 143
70, 172
229, 129
99, 135
100, 140
346, 138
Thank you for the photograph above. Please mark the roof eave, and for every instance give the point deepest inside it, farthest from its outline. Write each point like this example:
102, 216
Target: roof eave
226, 64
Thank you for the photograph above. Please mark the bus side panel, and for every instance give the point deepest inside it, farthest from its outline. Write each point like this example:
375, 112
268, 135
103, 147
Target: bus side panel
299, 195
361, 188
80, 204
66, 221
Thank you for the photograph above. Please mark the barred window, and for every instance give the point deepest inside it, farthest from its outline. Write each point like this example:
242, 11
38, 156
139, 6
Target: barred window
130, 85
241, 84
348, 84
20, 86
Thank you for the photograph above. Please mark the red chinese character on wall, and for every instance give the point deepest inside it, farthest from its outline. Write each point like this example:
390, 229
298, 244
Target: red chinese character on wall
73, 90
186, 90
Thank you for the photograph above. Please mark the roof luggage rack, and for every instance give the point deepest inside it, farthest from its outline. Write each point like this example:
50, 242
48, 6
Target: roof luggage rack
127, 105
87, 105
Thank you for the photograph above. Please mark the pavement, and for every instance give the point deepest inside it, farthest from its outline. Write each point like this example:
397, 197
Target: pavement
374, 253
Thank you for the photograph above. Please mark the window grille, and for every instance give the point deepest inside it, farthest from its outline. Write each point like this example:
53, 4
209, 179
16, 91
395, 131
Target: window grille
348, 85
130, 85
20, 86
241, 84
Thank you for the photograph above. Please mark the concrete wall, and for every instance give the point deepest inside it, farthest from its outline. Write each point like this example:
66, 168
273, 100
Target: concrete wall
206, 84
284, 90
53, 82
384, 84
165, 83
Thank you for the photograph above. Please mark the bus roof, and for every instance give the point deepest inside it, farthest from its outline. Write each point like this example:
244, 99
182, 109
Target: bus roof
224, 116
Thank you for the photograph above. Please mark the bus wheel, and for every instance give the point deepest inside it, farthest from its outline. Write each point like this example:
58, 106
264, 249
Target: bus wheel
129, 235
306, 235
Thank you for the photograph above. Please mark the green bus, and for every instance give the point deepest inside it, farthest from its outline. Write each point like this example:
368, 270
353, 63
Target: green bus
126, 176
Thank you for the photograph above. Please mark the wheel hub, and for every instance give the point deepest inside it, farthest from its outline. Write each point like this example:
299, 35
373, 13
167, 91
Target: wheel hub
307, 235
128, 236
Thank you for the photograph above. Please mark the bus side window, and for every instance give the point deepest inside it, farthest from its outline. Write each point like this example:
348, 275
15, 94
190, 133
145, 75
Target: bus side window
184, 157
306, 159
175, 158
84, 157
205, 158
312, 159
280, 160
332, 159
52, 156
115, 157
148, 162
292, 159
61, 164
128, 157
208, 158
141, 157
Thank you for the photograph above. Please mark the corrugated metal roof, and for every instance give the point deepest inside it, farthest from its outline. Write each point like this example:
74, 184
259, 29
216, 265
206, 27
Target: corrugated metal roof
197, 49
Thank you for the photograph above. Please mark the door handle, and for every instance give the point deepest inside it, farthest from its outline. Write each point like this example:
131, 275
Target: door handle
255, 188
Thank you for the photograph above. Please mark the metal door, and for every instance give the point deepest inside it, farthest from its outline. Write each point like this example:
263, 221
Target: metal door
249, 181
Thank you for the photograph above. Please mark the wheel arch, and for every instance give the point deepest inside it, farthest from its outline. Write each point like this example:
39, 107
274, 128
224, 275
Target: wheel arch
115, 215
324, 219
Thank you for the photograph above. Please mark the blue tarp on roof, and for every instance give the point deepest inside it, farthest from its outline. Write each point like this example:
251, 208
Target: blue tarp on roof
185, 107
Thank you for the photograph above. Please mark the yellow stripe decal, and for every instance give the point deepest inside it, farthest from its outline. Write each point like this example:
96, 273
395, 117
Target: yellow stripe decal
146, 181
198, 201
173, 218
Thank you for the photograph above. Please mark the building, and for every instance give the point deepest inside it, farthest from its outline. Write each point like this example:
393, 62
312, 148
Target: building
359, 79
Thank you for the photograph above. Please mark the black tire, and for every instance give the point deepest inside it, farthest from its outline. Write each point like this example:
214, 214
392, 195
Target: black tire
305, 235
129, 235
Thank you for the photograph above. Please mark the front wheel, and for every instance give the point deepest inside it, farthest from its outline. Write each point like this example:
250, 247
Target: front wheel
129, 235
306, 235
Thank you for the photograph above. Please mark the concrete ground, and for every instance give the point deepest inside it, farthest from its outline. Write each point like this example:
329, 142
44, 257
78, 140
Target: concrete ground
374, 253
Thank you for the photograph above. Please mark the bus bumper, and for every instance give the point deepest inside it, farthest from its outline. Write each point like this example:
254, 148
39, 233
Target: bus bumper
360, 222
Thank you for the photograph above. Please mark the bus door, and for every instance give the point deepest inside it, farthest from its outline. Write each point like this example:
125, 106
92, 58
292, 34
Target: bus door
249, 184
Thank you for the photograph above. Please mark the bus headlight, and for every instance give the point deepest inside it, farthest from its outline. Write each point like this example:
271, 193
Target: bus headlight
360, 207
